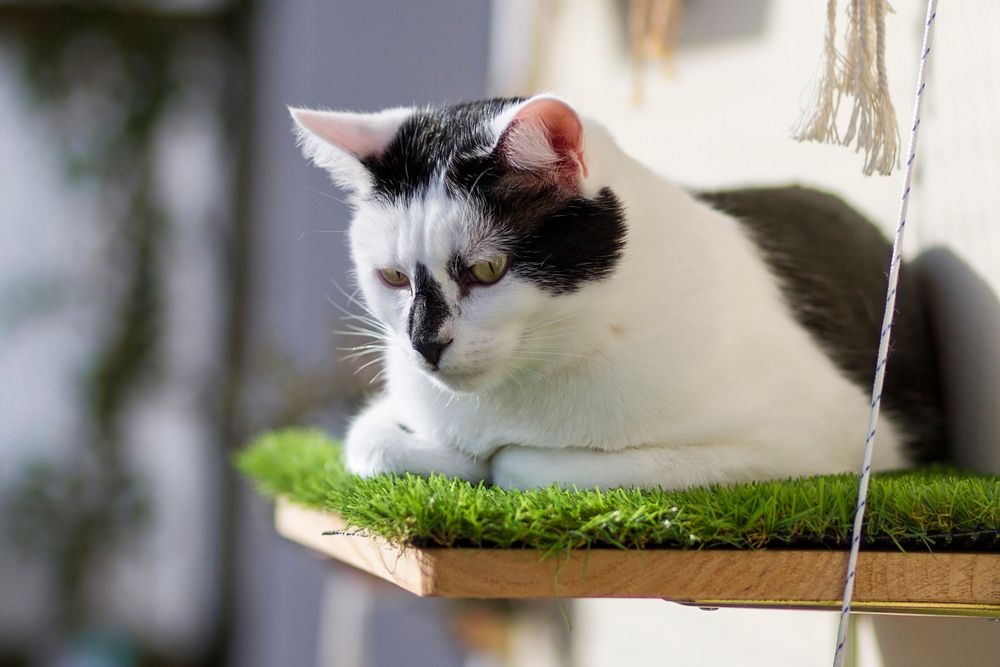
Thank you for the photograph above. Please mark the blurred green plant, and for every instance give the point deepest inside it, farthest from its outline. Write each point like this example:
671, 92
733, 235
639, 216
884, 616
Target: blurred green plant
105, 75
73, 510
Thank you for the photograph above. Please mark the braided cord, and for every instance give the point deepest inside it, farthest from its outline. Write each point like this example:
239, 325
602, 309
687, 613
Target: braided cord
883, 346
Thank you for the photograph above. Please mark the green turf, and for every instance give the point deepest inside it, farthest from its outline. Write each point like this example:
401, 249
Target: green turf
935, 508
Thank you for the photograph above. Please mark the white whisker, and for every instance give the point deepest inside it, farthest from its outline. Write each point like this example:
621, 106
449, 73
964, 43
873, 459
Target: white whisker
328, 196
361, 332
351, 299
367, 364
358, 355
552, 336
374, 325
552, 319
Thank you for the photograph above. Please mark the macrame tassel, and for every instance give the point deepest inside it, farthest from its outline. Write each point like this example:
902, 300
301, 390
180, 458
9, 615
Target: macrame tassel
652, 26
819, 120
860, 74
873, 119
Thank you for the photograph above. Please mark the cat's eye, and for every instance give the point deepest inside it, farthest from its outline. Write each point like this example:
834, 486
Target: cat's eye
393, 278
489, 270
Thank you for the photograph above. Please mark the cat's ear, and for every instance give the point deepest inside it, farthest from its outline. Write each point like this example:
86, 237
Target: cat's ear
542, 139
340, 141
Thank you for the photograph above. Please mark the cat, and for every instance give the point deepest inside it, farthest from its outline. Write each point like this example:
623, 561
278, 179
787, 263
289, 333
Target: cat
550, 311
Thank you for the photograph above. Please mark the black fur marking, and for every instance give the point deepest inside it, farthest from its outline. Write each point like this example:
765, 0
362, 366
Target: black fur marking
831, 264
427, 140
404, 428
555, 239
428, 312
562, 244
458, 271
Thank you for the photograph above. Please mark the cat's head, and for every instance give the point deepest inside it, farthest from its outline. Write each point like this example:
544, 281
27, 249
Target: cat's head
478, 230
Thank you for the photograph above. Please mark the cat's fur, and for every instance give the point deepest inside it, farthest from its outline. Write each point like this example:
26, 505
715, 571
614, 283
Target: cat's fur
643, 335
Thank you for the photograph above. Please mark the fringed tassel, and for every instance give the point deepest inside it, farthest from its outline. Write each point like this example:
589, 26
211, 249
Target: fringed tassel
819, 121
860, 74
873, 120
653, 36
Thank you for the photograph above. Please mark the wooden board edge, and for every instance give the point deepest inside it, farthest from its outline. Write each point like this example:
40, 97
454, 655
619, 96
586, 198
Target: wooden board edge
958, 584
330, 535
884, 607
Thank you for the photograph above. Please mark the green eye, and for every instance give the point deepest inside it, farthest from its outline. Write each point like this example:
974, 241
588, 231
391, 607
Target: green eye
490, 270
393, 278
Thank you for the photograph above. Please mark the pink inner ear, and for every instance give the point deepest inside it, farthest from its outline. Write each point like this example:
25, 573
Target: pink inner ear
362, 135
546, 137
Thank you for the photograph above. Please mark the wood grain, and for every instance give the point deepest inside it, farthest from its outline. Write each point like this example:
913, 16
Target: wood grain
893, 582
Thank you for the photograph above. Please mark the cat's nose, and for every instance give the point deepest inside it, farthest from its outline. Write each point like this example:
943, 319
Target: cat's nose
431, 349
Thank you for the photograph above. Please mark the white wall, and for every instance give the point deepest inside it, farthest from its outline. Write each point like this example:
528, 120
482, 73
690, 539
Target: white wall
959, 196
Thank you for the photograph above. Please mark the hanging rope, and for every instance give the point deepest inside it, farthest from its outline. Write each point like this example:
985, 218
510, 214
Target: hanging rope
859, 73
883, 345
819, 120
652, 27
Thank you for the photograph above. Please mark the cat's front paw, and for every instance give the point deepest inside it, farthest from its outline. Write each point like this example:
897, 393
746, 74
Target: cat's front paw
376, 445
372, 448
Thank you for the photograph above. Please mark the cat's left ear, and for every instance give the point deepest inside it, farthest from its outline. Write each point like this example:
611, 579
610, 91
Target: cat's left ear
341, 141
542, 140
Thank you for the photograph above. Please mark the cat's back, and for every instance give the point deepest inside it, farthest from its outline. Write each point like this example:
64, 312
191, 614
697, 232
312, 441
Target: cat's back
831, 264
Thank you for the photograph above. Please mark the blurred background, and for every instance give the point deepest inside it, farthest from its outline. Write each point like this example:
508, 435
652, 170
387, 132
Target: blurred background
172, 272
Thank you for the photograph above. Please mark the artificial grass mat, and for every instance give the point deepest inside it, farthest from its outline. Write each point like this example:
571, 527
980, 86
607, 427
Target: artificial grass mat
934, 508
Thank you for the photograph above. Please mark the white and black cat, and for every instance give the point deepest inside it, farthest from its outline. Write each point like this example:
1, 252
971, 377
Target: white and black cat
552, 311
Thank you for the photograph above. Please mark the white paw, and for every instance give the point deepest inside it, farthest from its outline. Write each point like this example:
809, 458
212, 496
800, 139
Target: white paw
373, 448
367, 456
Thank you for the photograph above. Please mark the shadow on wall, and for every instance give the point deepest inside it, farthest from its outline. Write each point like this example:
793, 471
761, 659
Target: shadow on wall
966, 314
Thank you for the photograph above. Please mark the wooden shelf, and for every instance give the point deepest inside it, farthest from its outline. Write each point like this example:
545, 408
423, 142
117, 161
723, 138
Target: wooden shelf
965, 584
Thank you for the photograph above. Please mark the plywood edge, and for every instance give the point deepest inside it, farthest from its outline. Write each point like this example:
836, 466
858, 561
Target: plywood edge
890, 582
328, 534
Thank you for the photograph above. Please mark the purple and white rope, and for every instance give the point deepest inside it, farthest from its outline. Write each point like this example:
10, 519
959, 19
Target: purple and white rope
883, 345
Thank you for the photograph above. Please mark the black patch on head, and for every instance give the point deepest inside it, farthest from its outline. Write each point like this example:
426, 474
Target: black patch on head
554, 238
556, 241
427, 140
429, 310
832, 264
562, 244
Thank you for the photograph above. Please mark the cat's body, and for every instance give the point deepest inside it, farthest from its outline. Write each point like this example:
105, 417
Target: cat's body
629, 332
